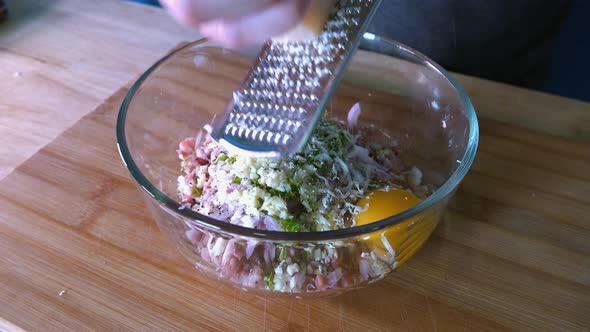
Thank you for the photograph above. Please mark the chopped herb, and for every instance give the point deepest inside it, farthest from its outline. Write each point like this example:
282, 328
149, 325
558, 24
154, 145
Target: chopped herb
231, 160
283, 254
260, 201
312, 204
384, 152
291, 225
342, 136
294, 185
269, 279
197, 192
312, 178
306, 256
334, 144
325, 168
373, 151
236, 180
221, 157
275, 192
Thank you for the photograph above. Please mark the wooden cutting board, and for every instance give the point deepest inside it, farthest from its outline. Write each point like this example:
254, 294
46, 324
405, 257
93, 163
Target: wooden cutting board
81, 252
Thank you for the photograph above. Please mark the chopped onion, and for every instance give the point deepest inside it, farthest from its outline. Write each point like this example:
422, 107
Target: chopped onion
272, 224
353, 116
364, 268
230, 250
250, 246
387, 245
198, 139
269, 252
299, 278
333, 277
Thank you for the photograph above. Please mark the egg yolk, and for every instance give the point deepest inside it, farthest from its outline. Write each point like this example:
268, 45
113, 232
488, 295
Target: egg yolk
380, 205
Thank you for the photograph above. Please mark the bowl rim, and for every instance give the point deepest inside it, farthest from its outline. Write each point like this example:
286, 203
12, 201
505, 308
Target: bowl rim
447, 188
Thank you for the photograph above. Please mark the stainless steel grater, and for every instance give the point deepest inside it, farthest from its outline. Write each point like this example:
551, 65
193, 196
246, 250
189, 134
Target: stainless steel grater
277, 107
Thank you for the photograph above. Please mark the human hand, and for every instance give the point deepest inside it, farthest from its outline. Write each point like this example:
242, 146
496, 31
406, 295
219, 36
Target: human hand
236, 23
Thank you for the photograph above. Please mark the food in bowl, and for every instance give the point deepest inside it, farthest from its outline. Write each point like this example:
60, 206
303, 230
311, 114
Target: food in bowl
339, 180
405, 98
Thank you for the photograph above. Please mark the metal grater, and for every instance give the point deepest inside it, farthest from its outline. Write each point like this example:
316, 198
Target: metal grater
285, 93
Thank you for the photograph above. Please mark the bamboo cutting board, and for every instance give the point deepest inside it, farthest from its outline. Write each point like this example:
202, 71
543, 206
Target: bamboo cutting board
80, 251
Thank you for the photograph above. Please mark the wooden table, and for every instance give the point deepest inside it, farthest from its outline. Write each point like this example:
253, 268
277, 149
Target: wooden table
61, 59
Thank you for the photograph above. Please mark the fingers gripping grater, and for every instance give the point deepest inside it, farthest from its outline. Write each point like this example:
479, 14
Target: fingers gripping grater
275, 111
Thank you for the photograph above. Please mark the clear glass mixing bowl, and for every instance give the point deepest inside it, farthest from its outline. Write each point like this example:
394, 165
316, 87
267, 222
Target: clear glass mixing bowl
406, 98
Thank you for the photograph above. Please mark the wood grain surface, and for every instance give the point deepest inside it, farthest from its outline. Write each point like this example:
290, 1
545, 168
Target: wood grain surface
80, 252
59, 59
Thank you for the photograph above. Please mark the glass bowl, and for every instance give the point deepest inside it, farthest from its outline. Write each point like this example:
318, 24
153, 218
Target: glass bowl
407, 99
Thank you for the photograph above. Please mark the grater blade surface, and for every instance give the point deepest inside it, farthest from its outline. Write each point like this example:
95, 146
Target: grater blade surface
275, 111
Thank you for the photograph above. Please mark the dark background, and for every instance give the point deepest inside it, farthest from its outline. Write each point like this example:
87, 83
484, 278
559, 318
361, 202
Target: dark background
538, 44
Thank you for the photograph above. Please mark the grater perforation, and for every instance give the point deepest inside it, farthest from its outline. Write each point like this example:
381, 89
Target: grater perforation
277, 107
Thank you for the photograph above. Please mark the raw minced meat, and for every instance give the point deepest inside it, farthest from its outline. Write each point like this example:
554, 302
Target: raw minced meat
314, 190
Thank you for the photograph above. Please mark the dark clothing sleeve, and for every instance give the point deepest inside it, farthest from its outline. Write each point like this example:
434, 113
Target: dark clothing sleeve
504, 40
